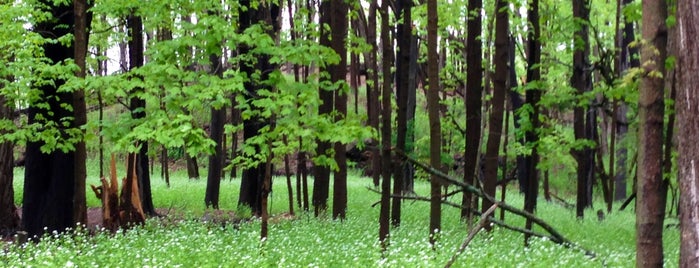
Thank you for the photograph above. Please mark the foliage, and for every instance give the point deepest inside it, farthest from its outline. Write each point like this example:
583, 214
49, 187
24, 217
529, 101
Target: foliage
187, 241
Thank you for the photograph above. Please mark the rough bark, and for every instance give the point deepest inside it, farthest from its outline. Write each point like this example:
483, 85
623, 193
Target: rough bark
688, 131
651, 193
433, 115
49, 178
372, 87
474, 100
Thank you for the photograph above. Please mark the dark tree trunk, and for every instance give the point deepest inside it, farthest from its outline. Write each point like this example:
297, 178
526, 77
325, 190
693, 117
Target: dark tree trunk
137, 107
474, 101
251, 191
651, 193
321, 173
338, 73
533, 95
9, 220
372, 88
192, 166
218, 119
628, 59
433, 114
49, 178
403, 36
387, 51
581, 81
501, 61
688, 132
82, 25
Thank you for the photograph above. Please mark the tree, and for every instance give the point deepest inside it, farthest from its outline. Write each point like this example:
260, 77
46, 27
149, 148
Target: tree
501, 61
137, 106
688, 131
49, 178
386, 158
83, 19
651, 191
533, 95
338, 72
474, 101
257, 71
582, 82
9, 220
218, 118
433, 115
321, 173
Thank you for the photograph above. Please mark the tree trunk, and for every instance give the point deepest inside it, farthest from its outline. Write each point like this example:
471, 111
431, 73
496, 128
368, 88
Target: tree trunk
9, 220
137, 107
338, 73
688, 132
433, 115
581, 81
82, 24
218, 120
474, 101
533, 95
321, 173
372, 87
49, 178
650, 210
386, 158
500, 61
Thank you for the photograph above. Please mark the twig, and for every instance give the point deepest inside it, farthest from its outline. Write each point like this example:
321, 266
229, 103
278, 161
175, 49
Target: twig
472, 234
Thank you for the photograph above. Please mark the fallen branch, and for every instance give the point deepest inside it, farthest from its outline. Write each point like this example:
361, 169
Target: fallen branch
472, 234
556, 237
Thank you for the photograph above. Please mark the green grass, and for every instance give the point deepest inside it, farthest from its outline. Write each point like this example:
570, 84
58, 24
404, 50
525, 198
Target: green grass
311, 242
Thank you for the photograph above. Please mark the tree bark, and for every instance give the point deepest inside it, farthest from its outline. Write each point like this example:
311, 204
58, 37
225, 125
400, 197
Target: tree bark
9, 220
321, 173
581, 81
83, 20
338, 73
688, 132
533, 95
500, 61
218, 119
372, 87
433, 115
474, 100
386, 158
49, 178
651, 193
137, 107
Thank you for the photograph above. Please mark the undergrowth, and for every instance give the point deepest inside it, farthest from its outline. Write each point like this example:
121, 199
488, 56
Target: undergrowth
306, 241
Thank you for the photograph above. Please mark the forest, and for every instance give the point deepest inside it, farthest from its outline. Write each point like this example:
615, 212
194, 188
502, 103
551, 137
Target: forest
337, 133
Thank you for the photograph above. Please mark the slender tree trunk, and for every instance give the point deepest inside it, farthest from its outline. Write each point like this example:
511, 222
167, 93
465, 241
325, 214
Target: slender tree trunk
372, 87
500, 61
321, 173
338, 73
651, 193
82, 25
533, 95
474, 101
688, 131
581, 81
387, 51
433, 114
218, 118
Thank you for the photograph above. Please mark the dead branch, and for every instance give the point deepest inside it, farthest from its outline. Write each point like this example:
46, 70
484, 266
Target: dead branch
472, 234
